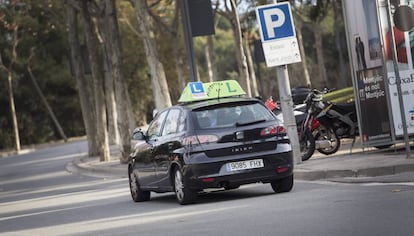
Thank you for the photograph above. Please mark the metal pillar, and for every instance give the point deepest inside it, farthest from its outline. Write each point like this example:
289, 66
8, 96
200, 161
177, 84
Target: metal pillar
188, 38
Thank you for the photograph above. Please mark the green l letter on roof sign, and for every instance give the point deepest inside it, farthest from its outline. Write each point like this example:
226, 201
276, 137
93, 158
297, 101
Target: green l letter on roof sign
197, 91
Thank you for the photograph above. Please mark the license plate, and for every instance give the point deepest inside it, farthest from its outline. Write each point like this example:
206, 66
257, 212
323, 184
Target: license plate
245, 165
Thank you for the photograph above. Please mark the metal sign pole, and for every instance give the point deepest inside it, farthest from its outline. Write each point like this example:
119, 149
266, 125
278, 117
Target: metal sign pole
398, 82
287, 108
189, 41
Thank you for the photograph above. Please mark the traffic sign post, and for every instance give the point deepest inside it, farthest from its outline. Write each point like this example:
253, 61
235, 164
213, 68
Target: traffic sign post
275, 21
277, 32
280, 48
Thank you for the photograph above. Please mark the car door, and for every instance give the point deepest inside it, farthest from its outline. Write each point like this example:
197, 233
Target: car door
170, 140
145, 153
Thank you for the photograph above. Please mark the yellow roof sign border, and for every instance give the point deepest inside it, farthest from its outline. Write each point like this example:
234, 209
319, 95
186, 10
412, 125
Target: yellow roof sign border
198, 91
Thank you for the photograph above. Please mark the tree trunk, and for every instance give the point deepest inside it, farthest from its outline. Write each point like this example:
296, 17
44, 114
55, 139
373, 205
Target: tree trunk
86, 93
319, 54
159, 82
98, 82
113, 46
9, 71
303, 55
112, 114
178, 50
252, 72
240, 56
13, 111
46, 103
211, 59
179, 64
342, 68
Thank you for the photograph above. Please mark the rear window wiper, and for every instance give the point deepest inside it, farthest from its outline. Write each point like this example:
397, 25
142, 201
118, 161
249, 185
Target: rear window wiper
250, 123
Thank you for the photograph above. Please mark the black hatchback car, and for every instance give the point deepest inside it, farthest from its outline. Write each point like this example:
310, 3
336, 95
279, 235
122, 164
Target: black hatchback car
213, 143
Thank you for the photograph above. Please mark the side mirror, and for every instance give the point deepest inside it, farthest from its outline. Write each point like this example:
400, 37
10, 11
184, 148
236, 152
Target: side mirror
138, 135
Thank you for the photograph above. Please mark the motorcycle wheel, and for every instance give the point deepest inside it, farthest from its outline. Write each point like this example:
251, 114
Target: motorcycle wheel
307, 145
325, 133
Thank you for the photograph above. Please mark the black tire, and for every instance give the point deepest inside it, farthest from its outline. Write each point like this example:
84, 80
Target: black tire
137, 194
383, 146
282, 185
183, 194
328, 134
307, 145
230, 187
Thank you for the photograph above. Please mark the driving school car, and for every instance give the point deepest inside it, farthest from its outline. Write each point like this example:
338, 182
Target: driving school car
214, 138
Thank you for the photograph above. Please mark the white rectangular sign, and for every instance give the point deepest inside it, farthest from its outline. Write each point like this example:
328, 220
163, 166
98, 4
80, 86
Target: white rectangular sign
407, 87
281, 52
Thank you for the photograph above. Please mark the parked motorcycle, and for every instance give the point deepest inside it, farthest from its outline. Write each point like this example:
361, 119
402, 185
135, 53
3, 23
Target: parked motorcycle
338, 120
306, 126
307, 136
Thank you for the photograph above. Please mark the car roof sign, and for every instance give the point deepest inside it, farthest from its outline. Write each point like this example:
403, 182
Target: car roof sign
197, 91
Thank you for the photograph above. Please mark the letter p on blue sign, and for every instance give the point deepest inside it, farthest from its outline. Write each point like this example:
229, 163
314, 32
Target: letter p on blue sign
275, 21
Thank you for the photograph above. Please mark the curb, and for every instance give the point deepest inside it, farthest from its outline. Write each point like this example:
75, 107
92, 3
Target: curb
365, 172
14, 153
25, 149
113, 169
91, 166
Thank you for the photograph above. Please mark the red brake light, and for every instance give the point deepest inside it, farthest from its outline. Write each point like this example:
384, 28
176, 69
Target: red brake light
199, 139
281, 130
273, 130
207, 138
268, 131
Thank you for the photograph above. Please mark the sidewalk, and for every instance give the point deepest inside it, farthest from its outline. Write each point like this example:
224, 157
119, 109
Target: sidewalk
359, 164
92, 166
350, 167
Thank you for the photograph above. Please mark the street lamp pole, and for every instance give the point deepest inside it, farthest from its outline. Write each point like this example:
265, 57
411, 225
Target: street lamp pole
188, 38
398, 84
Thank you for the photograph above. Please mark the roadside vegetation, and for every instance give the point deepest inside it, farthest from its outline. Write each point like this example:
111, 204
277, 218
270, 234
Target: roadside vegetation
101, 67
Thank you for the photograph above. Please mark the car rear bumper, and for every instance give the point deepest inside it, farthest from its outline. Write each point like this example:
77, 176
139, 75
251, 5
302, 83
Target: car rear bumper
215, 175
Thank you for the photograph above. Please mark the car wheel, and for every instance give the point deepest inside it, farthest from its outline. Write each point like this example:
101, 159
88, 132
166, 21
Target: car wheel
137, 194
282, 185
230, 187
184, 194
383, 146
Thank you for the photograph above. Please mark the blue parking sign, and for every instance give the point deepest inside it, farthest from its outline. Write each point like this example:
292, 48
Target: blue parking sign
275, 21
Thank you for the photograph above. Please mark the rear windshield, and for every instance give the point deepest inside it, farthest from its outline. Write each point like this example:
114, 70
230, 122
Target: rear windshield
232, 114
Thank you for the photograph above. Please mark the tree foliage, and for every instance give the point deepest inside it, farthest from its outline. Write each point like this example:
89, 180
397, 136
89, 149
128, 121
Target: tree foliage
43, 26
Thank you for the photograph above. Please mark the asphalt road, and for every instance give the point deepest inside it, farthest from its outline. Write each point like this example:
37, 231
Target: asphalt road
38, 196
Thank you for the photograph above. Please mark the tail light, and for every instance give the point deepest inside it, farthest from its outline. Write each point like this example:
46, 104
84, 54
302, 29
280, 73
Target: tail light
282, 169
199, 139
273, 130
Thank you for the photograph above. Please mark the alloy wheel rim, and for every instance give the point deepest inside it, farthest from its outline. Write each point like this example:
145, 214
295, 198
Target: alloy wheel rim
178, 185
133, 184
